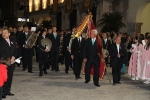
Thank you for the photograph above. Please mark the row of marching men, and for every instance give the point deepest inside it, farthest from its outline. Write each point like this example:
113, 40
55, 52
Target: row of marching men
139, 65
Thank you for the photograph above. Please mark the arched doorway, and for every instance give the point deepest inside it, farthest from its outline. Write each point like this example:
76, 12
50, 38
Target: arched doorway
143, 18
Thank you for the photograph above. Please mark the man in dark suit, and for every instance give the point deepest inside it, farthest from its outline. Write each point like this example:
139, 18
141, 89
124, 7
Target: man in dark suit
43, 53
77, 49
8, 49
67, 38
106, 46
92, 58
27, 52
55, 39
117, 53
0, 33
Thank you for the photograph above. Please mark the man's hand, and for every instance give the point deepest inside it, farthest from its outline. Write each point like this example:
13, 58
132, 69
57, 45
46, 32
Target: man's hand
118, 55
99, 55
47, 50
68, 49
12, 60
84, 60
33, 44
25, 46
72, 57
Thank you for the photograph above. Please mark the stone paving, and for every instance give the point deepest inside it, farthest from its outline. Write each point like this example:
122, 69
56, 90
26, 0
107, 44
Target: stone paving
62, 86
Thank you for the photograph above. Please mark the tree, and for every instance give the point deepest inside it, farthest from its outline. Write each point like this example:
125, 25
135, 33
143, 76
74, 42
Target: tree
111, 22
46, 23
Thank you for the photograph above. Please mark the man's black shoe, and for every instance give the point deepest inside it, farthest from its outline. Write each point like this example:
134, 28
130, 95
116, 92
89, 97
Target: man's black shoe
30, 72
10, 94
40, 75
66, 72
45, 72
97, 85
3, 96
86, 81
57, 70
118, 82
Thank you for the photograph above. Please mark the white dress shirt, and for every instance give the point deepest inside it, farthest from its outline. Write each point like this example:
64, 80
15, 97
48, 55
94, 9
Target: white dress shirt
105, 40
79, 39
93, 39
118, 47
26, 33
8, 41
43, 36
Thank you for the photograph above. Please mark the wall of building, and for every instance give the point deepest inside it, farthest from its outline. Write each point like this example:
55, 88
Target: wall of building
135, 15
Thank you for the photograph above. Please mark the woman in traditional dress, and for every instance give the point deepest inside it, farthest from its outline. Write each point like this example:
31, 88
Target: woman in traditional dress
146, 62
134, 64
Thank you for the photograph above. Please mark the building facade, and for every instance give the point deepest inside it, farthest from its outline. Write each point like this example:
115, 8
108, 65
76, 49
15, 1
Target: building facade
136, 13
13, 12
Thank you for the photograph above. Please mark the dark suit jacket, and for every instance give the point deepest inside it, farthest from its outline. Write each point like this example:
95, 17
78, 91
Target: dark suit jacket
43, 56
67, 38
114, 54
55, 42
6, 50
0, 36
41, 48
76, 48
22, 39
107, 45
90, 51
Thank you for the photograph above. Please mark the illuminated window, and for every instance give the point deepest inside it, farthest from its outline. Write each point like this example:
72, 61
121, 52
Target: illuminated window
60, 1
36, 5
44, 4
51, 2
30, 5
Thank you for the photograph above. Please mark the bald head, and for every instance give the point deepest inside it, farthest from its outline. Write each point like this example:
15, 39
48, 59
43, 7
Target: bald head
118, 40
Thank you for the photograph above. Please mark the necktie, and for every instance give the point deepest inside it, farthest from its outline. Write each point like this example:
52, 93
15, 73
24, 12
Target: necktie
55, 36
105, 41
92, 41
79, 41
26, 36
8, 41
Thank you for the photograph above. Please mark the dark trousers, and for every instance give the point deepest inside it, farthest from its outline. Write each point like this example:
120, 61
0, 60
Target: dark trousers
116, 71
43, 60
106, 61
54, 59
67, 60
7, 84
1, 93
89, 65
27, 58
41, 68
37, 58
77, 62
19, 53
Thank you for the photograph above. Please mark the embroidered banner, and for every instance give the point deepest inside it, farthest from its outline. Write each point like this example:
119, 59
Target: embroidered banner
55, 7
86, 4
68, 6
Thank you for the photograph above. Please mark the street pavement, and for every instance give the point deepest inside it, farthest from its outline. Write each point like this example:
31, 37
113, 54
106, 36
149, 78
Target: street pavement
62, 86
